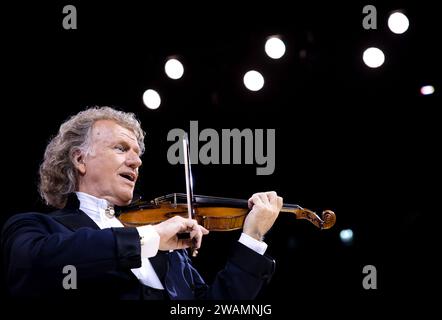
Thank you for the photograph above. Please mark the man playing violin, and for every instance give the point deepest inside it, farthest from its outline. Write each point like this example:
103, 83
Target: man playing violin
89, 167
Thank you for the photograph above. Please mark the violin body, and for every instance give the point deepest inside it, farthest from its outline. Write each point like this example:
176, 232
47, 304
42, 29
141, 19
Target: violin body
211, 218
213, 213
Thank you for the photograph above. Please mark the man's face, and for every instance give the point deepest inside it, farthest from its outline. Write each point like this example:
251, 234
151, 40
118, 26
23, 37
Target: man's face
110, 169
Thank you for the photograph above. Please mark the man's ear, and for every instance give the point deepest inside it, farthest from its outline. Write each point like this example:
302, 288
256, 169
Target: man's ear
78, 160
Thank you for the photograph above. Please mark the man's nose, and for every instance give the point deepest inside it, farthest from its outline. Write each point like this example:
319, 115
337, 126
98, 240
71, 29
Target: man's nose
133, 160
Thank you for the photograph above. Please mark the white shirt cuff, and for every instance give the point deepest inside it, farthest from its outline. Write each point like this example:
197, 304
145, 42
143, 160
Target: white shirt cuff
257, 246
150, 241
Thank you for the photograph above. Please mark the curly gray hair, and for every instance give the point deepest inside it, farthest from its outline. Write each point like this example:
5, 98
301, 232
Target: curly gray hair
58, 175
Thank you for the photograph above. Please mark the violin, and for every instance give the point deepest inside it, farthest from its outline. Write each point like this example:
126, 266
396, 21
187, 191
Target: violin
213, 213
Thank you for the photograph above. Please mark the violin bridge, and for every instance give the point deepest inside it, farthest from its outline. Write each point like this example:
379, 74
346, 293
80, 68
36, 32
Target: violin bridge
170, 199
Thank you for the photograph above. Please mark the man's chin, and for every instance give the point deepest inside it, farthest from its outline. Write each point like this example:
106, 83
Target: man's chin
124, 203
124, 199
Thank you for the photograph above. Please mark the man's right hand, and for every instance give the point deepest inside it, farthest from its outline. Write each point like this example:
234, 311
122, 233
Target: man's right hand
169, 229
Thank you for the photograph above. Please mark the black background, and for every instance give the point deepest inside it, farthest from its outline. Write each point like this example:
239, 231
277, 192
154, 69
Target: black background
356, 140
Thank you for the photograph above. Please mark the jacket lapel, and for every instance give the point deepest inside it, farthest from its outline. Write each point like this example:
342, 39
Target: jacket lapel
76, 220
72, 217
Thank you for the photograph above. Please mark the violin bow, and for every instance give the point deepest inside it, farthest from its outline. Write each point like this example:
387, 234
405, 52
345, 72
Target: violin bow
189, 182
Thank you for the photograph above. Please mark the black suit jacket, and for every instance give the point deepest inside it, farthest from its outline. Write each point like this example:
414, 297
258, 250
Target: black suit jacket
36, 247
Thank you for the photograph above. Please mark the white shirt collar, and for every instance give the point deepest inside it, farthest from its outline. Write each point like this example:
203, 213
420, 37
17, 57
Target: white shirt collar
95, 208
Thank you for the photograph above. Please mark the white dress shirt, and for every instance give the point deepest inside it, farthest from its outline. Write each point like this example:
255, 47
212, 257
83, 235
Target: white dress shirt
95, 209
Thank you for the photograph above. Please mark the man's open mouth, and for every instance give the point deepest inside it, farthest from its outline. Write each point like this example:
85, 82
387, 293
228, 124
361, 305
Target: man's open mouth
129, 176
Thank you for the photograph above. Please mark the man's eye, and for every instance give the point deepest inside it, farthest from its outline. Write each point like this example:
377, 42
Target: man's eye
120, 148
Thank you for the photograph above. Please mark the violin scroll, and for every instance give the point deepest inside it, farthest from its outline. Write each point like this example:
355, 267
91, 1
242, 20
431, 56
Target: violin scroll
326, 221
329, 219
